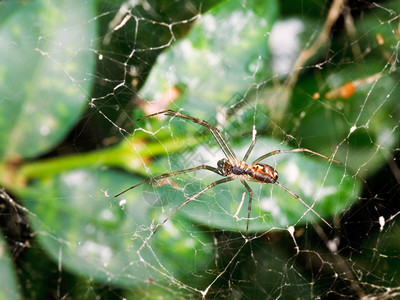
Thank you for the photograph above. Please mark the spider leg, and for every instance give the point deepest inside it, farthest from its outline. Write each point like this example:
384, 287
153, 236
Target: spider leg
166, 175
226, 148
246, 156
250, 199
293, 150
211, 185
302, 201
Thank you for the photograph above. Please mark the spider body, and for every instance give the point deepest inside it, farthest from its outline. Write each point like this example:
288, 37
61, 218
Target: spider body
231, 168
263, 173
258, 172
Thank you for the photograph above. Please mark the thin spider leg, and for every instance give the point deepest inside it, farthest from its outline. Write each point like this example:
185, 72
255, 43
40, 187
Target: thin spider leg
302, 201
166, 175
293, 150
246, 156
211, 185
226, 148
249, 208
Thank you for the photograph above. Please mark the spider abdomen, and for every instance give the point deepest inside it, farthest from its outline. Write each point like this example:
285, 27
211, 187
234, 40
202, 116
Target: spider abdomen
263, 173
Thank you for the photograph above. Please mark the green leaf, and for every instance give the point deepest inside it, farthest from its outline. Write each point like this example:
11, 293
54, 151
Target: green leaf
8, 282
210, 66
322, 184
362, 123
106, 238
359, 123
45, 65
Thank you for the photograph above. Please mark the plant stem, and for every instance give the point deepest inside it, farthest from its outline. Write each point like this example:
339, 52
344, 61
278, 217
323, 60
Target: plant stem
126, 155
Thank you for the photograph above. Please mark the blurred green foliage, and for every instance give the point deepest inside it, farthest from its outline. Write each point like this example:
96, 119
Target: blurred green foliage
96, 68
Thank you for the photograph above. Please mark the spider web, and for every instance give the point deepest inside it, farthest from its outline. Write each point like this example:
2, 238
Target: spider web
320, 76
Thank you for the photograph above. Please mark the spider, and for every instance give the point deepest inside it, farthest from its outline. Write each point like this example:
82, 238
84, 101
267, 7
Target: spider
230, 168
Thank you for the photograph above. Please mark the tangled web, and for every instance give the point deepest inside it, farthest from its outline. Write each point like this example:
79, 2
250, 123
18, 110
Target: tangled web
321, 76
